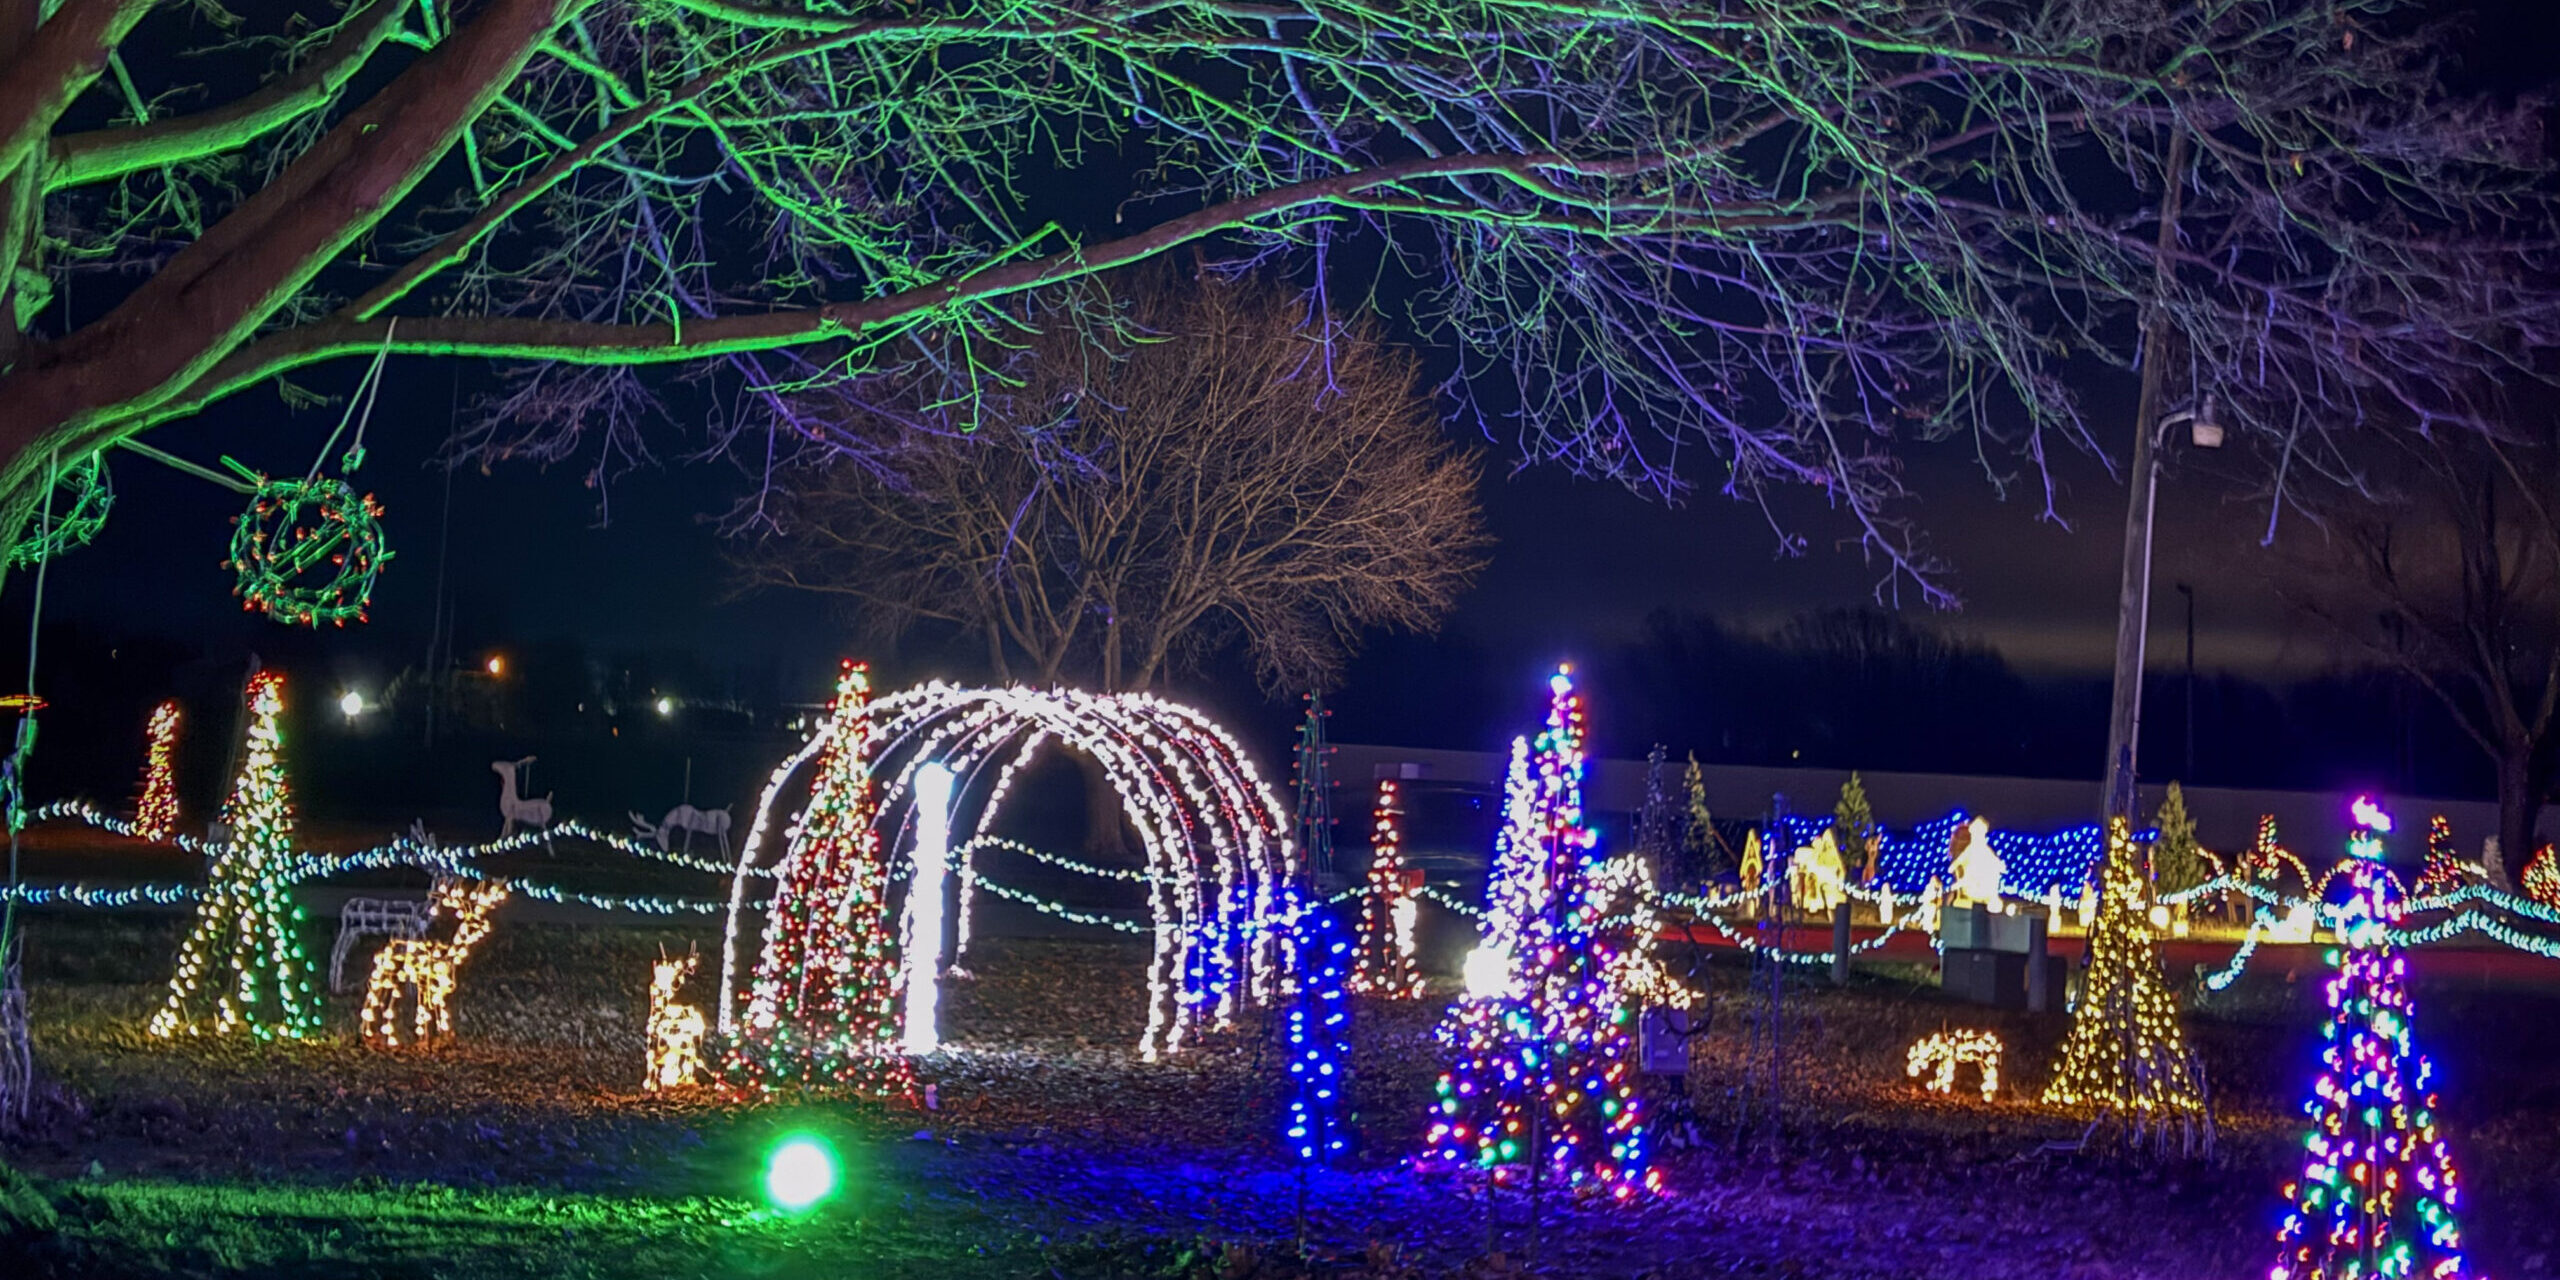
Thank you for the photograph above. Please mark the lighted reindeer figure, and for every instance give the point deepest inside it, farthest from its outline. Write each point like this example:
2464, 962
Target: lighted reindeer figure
675, 1030
515, 808
425, 967
1948, 1050
686, 821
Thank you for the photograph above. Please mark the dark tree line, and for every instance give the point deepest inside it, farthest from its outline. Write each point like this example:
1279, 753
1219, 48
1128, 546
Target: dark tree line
1866, 689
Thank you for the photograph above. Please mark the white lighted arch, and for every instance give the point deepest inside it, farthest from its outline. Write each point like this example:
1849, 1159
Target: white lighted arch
1217, 851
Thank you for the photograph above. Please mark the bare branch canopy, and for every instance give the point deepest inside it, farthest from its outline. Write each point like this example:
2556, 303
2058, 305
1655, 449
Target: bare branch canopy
1683, 244
1148, 483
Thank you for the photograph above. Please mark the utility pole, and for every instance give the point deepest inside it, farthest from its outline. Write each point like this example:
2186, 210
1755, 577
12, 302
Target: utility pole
2133, 599
2190, 593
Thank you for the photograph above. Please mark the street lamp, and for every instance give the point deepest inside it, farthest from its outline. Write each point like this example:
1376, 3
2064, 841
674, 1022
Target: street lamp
351, 704
666, 705
2133, 599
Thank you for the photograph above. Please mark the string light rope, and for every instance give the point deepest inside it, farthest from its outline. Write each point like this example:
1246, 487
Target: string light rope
1129, 875
1070, 914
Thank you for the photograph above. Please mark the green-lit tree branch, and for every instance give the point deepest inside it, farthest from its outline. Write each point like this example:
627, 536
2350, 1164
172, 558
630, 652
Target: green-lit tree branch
219, 289
100, 154
362, 330
64, 57
1742, 242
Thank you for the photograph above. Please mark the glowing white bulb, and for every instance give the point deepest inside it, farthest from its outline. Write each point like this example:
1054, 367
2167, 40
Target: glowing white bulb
666, 706
351, 703
1488, 971
2369, 814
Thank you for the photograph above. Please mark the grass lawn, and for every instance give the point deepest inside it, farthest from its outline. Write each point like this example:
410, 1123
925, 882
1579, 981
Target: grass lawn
528, 1149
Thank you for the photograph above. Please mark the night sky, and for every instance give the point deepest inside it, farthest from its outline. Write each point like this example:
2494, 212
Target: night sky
1578, 564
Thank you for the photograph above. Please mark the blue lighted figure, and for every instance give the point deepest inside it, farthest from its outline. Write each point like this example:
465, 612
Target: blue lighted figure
1319, 1125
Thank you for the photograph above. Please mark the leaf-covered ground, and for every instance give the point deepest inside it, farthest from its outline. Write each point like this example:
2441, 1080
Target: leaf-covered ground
1051, 1150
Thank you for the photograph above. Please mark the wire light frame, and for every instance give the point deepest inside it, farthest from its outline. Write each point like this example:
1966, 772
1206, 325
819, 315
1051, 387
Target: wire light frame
1215, 839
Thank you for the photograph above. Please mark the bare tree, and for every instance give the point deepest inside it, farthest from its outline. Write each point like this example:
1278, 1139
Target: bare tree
2454, 581
1201, 467
1762, 241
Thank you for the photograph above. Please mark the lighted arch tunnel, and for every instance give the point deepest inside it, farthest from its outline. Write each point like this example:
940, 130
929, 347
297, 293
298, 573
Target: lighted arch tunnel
1218, 857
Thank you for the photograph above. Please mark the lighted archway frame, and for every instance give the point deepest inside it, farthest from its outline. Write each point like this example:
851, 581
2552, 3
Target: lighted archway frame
1218, 853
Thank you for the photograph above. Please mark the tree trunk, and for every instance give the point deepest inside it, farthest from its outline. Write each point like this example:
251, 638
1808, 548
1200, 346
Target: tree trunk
997, 666
2519, 811
21, 209
1107, 832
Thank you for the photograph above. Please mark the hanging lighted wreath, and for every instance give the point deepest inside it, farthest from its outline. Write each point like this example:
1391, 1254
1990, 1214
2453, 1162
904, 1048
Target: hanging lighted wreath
78, 510
307, 551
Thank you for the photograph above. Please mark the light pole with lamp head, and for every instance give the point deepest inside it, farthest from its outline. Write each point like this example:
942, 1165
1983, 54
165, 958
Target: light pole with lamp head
2133, 603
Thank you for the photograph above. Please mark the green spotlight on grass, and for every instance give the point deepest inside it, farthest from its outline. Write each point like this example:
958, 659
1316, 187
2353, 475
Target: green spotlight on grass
799, 1172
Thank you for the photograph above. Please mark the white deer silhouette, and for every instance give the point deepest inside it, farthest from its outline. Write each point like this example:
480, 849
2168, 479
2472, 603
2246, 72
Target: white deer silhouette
687, 819
515, 808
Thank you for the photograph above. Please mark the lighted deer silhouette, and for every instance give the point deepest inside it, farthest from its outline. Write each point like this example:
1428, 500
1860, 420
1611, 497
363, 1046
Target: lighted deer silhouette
675, 1030
425, 967
684, 820
1948, 1050
515, 808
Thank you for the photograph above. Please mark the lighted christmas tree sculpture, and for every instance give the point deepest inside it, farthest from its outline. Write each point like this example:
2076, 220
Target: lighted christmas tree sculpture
821, 1006
1853, 823
1708, 856
1623, 888
1516, 880
1542, 1082
241, 968
1391, 908
2443, 872
155, 815
2541, 878
2177, 861
2126, 1057
2377, 1196
1658, 820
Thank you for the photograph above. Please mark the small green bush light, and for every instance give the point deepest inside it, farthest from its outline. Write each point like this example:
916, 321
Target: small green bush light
800, 1172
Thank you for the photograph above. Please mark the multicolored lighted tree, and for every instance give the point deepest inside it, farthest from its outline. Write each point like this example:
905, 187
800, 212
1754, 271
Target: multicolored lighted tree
2377, 1193
241, 968
1391, 907
2541, 878
2443, 872
155, 815
1543, 1081
821, 1008
2127, 1058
